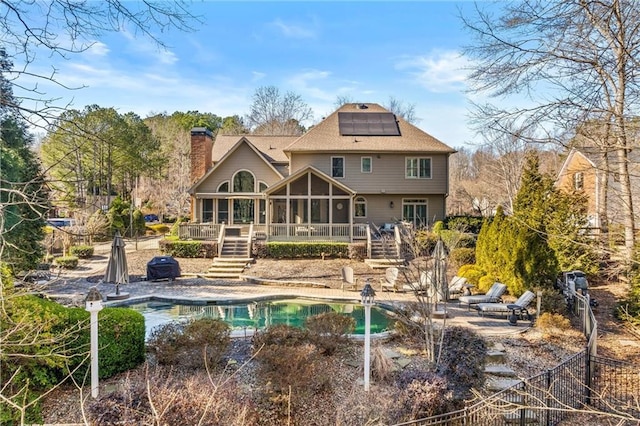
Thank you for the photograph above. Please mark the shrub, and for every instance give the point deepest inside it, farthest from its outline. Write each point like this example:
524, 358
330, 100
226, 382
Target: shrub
472, 273
121, 333
67, 262
425, 242
552, 302
291, 368
485, 283
159, 228
426, 394
357, 251
471, 224
462, 256
190, 344
189, 249
462, 360
83, 252
552, 324
330, 330
291, 250
280, 335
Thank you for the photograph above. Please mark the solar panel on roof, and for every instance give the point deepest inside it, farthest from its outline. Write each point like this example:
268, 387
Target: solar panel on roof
368, 124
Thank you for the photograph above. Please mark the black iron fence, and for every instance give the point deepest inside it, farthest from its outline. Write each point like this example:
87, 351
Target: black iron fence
584, 382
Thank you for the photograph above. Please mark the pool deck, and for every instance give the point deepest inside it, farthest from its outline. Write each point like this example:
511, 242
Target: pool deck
71, 287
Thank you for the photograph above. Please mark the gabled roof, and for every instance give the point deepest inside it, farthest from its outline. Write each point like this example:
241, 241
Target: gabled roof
240, 140
278, 185
270, 147
325, 136
573, 153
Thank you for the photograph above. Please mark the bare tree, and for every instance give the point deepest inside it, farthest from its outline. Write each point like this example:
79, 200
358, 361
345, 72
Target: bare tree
565, 63
405, 110
273, 113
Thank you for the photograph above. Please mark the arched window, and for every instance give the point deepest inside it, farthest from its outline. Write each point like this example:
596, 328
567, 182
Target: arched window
360, 207
243, 181
262, 186
224, 187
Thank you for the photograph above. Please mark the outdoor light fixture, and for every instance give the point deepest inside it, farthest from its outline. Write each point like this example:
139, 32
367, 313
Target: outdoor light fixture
368, 296
391, 204
94, 305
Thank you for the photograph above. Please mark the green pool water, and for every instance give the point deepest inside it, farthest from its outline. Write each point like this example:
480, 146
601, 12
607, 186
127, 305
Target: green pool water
258, 315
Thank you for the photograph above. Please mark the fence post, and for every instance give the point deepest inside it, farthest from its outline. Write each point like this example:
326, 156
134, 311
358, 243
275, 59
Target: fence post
587, 374
548, 399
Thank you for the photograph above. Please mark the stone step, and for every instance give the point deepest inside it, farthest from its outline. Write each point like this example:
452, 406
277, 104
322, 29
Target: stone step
500, 370
234, 275
244, 260
496, 384
384, 263
495, 357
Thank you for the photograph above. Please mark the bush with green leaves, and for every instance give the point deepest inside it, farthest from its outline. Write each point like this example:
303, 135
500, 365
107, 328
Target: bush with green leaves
472, 273
193, 344
470, 224
552, 302
81, 251
67, 262
309, 250
330, 330
189, 249
462, 256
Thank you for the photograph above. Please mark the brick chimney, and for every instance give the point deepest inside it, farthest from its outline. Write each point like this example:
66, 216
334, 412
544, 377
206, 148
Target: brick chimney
201, 147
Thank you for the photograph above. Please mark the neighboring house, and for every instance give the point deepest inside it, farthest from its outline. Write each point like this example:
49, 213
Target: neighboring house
361, 165
585, 171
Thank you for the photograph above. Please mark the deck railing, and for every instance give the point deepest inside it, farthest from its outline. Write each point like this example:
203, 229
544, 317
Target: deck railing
282, 232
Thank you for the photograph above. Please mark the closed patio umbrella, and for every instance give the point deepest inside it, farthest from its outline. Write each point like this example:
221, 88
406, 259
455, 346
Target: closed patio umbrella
117, 271
440, 271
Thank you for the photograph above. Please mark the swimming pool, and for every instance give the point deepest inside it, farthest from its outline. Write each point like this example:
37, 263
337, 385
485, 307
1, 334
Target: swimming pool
256, 315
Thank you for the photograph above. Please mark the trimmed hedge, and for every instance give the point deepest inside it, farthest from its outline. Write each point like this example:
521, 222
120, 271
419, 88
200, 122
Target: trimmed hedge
191, 249
82, 251
67, 262
290, 250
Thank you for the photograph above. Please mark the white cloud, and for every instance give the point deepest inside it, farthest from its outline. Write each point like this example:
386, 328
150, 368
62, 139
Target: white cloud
306, 83
294, 30
257, 76
439, 71
98, 49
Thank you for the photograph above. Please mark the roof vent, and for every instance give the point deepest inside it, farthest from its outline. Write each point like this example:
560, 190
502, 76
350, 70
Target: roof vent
362, 106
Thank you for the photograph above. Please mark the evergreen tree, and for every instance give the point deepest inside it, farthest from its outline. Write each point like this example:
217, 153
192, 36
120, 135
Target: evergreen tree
23, 194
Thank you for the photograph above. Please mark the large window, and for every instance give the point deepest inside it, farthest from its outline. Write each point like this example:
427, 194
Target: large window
415, 211
418, 168
243, 182
360, 207
337, 167
207, 210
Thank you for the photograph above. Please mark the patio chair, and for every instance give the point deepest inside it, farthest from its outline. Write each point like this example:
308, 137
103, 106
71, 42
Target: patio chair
349, 282
421, 286
390, 279
457, 287
494, 295
519, 307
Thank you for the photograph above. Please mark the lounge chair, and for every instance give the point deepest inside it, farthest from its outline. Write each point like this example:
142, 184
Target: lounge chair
494, 295
519, 307
390, 280
349, 282
457, 286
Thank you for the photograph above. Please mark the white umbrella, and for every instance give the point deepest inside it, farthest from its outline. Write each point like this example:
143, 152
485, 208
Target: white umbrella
117, 271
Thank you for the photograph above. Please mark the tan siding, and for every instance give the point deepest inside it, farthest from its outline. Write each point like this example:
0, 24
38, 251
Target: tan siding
244, 158
379, 210
388, 172
579, 164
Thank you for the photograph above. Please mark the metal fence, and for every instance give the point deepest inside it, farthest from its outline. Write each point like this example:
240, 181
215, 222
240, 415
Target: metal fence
584, 382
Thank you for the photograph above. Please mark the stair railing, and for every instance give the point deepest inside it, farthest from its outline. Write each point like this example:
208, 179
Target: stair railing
368, 241
249, 240
221, 239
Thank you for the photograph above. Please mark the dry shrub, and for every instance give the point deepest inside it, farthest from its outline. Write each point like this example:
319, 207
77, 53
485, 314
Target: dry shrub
190, 344
174, 400
552, 325
298, 367
329, 331
381, 366
280, 335
552, 302
462, 360
376, 407
428, 396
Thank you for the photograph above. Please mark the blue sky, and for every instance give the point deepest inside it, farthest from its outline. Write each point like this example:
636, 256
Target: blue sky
367, 51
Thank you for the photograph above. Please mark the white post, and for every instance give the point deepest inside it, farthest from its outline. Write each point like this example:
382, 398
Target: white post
368, 296
94, 305
367, 345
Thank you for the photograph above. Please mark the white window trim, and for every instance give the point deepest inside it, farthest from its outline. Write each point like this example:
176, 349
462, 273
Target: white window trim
255, 181
370, 165
356, 202
222, 183
406, 175
344, 168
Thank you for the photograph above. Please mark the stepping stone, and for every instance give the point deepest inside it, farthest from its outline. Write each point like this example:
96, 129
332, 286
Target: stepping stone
495, 356
499, 370
390, 353
498, 347
403, 362
496, 385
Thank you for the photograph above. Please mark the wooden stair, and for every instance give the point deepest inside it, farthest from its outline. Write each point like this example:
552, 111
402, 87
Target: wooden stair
384, 254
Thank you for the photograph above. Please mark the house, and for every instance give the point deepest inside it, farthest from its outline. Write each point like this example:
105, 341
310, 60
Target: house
360, 166
585, 171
